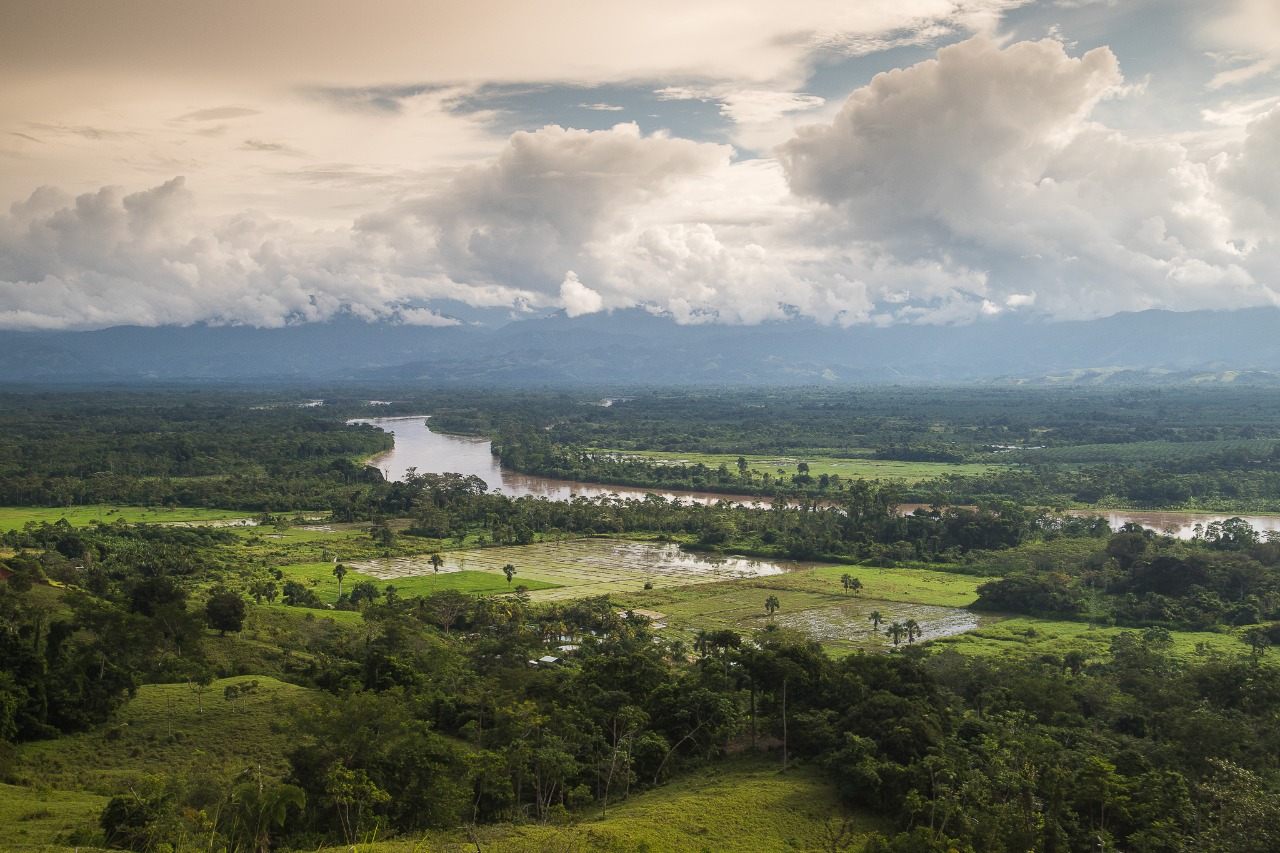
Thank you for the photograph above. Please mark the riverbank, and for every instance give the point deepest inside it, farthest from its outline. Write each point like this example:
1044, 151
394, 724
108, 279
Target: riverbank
420, 448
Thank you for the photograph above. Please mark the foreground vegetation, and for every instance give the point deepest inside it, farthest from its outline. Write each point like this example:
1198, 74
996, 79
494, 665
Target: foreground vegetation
431, 666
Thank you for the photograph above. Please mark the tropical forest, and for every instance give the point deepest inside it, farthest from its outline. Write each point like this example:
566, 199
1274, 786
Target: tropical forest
412, 619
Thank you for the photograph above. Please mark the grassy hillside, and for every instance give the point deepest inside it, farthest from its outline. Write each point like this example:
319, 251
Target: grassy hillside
744, 805
169, 729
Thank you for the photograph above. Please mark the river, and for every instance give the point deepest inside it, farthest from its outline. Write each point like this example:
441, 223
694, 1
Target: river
431, 452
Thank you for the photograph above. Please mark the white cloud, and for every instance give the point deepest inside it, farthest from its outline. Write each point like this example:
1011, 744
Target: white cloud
578, 299
976, 183
109, 258
423, 317
986, 159
526, 217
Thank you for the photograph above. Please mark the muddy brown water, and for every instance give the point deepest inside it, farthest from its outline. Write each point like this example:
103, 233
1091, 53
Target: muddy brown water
418, 447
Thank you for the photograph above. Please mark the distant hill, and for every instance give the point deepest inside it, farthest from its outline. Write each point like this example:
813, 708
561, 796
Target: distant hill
635, 346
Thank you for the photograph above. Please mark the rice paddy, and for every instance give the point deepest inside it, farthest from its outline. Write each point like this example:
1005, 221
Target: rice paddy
580, 567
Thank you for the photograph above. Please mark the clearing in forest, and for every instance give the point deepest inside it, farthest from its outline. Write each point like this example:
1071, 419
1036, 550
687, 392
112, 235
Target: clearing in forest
581, 567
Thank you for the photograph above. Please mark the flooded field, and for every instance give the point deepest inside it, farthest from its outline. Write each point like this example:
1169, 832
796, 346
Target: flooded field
582, 566
849, 624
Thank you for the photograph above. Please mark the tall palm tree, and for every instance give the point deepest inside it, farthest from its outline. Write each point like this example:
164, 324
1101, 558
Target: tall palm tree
896, 630
771, 604
876, 619
912, 628
339, 572
436, 561
510, 571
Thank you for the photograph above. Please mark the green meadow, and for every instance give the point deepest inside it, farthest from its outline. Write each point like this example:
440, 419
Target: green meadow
741, 805
15, 517
849, 469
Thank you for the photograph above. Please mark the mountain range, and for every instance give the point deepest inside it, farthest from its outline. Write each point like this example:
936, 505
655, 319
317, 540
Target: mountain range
634, 346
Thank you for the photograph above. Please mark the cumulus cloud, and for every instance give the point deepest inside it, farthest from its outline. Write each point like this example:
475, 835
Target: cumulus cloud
976, 183
986, 158
147, 258
933, 136
577, 298
528, 216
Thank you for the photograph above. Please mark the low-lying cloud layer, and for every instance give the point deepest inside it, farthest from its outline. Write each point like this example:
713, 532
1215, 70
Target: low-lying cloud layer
978, 182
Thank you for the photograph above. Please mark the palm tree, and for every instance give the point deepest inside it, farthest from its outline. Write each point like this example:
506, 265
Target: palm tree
702, 643
339, 572
510, 571
846, 580
913, 630
855, 585
896, 630
771, 604
876, 619
436, 561
259, 807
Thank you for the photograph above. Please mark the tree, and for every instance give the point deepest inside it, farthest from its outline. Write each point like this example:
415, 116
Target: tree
1258, 641
912, 627
339, 572
365, 591
876, 619
258, 807
510, 571
849, 582
224, 611
446, 607
896, 631
199, 677
771, 604
436, 561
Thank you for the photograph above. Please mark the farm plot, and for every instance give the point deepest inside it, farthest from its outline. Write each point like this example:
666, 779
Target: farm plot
581, 567
837, 622
850, 625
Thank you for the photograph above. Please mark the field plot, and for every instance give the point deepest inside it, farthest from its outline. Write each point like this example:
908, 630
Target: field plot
840, 623
908, 585
848, 468
14, 517
849, 625
580, 567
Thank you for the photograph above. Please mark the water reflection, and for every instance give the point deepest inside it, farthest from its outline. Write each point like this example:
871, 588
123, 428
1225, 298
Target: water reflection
418, 447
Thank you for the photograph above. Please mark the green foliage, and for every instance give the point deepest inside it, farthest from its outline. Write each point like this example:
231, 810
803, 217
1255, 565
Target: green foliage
224, 611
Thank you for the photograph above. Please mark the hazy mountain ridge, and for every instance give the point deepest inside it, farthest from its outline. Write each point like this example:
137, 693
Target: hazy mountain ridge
635, 346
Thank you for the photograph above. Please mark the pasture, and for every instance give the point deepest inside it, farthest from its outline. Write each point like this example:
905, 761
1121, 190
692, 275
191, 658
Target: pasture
15, 517
784, 466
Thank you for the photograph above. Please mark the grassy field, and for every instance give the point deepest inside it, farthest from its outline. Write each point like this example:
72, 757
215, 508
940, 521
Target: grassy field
168, 729
812, 600
849, 469
319, 577
1142, 452
742, 805
14, 517
42, 820
1025, 635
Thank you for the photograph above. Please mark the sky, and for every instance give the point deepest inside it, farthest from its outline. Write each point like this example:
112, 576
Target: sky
724, 161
